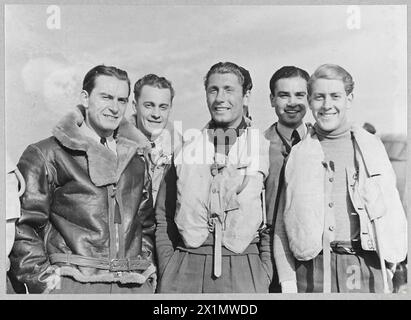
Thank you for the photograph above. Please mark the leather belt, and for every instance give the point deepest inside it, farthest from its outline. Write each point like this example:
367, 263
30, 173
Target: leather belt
346, 247
114, 265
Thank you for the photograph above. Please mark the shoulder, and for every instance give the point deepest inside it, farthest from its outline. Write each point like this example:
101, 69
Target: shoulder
271, 133
45, 147
367, 141
41, 154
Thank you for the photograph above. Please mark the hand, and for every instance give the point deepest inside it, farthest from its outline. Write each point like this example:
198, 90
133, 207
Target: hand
53, 281
289, 287
391, 267
390, 274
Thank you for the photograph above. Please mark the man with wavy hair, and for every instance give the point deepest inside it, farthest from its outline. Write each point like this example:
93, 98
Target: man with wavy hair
210, 235
342, 227
153, 98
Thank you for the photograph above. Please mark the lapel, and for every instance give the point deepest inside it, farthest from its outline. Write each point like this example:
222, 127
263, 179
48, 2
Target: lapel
369, 146
276, 161
277, 150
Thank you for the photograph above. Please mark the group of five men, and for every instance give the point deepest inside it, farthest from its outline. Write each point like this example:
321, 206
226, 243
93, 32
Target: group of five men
125, 206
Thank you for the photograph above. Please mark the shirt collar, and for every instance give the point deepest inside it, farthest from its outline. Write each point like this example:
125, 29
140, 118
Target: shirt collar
287, 132
239, 130
87, 131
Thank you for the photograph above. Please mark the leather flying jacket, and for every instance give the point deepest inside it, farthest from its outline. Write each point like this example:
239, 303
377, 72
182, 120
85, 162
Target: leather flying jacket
85, 213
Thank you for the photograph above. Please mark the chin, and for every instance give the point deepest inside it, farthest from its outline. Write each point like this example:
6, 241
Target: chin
327, 126
217, 119
110, 127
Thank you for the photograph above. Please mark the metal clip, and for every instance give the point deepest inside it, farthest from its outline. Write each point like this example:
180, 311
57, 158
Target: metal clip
119, 265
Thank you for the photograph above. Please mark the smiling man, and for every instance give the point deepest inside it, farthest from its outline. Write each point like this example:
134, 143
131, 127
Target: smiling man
153, 98
87, 220
342, 218
210, 234
288, 86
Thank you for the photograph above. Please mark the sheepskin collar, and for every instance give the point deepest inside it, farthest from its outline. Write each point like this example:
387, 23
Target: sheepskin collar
104, 167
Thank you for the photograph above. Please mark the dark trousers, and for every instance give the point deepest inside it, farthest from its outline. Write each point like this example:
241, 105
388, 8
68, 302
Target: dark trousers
352, 273
188, 272
69, 286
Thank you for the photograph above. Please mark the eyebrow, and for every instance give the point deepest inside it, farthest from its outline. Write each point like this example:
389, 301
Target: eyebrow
105, 94
112, 97
289, 93
152, 103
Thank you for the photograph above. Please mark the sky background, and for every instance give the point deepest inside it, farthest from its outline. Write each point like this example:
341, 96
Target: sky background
45, 68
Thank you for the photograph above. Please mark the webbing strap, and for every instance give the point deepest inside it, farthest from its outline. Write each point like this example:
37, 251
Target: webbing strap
217, 248
326, 263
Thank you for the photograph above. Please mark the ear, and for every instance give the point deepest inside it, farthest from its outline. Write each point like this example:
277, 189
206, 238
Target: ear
350, 99
246, 98
84, 96
309, 99
272, 100
134, 106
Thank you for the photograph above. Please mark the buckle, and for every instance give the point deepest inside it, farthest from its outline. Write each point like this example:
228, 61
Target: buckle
119, 265
341, 249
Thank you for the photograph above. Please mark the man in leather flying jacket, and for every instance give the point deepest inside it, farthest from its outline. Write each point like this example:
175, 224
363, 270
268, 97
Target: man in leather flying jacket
87, 221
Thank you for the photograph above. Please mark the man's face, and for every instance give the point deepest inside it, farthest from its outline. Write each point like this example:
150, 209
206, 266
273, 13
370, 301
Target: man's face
290, 101
106, 104
225, 99
153, 109
329, 103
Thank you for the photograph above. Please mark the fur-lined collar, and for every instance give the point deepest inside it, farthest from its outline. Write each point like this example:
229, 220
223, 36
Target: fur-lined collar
104, 167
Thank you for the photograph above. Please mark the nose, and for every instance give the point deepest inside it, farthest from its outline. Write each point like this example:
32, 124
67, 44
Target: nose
155, 113
220, 95
327, 103
292, 101
114, 107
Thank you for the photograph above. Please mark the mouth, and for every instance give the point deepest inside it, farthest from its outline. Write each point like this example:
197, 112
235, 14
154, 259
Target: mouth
221, 109
328, 114
292, 111
110, 117
155, 123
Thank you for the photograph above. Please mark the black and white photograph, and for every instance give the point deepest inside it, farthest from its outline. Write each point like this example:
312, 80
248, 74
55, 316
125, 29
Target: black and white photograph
172, 151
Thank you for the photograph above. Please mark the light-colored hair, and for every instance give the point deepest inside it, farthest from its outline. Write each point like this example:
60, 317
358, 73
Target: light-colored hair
332, 72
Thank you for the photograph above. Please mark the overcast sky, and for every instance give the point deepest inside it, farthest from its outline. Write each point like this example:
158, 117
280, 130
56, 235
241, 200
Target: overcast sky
45, 67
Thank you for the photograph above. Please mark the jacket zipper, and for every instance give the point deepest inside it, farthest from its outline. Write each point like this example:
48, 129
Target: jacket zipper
113, 227
117, 236
117, 240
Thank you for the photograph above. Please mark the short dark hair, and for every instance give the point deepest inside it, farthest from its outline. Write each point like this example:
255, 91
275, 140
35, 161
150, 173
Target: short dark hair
155, 81
248, 82
102, 70
287, 72
229, 67
369, 127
